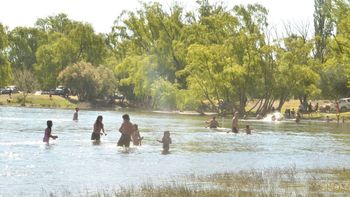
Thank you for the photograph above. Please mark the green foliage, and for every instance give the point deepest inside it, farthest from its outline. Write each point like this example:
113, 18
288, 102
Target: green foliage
25, 82
164, 94
87, 81
5, 67
24, 42
169, 58
52, 58
68, 42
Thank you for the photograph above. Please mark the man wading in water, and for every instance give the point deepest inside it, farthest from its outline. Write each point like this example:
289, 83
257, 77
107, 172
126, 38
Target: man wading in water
234, 126
127, 129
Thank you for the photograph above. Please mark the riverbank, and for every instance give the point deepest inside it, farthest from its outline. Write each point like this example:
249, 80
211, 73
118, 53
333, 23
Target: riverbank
267, 182
38, 101
44, 101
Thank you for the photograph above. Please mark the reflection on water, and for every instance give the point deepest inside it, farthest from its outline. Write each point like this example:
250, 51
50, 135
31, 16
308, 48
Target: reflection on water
73, 162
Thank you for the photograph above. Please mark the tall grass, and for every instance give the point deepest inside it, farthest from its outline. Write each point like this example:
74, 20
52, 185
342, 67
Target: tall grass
267, 182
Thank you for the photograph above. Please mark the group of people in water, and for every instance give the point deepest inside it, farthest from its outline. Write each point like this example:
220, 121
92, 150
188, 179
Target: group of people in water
129, 133
213, 123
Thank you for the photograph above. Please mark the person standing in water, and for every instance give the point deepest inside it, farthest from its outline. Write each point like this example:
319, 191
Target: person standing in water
48, 135
234, 126
126, 130
166, 141
98, 127
75, 115
248, 130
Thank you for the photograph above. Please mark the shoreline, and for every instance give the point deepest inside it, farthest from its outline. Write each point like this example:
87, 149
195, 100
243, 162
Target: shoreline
58, 102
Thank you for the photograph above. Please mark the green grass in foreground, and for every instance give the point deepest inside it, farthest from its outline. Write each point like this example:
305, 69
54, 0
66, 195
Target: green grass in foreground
268, 182
37, 101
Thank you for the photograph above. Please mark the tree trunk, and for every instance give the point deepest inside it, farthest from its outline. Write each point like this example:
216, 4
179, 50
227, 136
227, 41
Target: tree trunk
281, 102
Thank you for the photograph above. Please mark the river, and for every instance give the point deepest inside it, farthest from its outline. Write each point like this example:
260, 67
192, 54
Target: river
73, 163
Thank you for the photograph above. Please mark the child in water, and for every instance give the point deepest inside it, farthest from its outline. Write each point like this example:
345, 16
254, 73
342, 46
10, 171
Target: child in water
75, 115
48, 135
136, 137
248, 130
98, 126
166, 140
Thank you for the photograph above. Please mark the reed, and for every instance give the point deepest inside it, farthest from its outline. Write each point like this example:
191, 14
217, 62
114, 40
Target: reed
267, 182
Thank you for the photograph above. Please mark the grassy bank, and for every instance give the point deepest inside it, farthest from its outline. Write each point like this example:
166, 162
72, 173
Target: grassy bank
36, 101
268, 182
59, 102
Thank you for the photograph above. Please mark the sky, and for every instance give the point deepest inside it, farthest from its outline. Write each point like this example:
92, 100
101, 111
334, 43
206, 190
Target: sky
102, 13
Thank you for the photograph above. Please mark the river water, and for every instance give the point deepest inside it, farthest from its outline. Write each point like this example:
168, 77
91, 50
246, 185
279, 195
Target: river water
73, 163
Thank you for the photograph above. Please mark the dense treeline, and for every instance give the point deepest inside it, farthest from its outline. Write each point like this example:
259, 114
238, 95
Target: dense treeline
214, 56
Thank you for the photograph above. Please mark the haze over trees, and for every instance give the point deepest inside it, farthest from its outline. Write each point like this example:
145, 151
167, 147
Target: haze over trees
216, 57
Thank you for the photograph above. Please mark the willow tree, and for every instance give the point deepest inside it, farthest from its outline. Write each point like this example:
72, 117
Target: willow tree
152, 36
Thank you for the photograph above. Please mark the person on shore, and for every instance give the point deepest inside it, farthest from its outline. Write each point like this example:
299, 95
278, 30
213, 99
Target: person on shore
337, 107
136, 137
248, 130
75, 115
98, 127
309, 107
126, 130
338, 118
47, 134
293, 113
316, 107
166, 141
328, 119
343, 119
212, 123
298, 117
234, 125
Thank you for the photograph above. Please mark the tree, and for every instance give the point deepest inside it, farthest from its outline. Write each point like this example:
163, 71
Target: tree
323, 25
52, 58
26, 82
88, 46
59, 23
24, 43
68, 42
87, 81
5, 67
163, 94
335, 70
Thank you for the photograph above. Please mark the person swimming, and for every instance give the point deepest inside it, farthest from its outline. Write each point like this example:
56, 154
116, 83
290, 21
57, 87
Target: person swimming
212, 123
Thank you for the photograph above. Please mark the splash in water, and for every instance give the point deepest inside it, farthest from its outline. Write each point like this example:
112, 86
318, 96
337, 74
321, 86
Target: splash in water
272, 117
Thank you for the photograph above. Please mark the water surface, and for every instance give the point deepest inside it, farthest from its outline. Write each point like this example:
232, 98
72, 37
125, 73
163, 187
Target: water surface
72, 162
